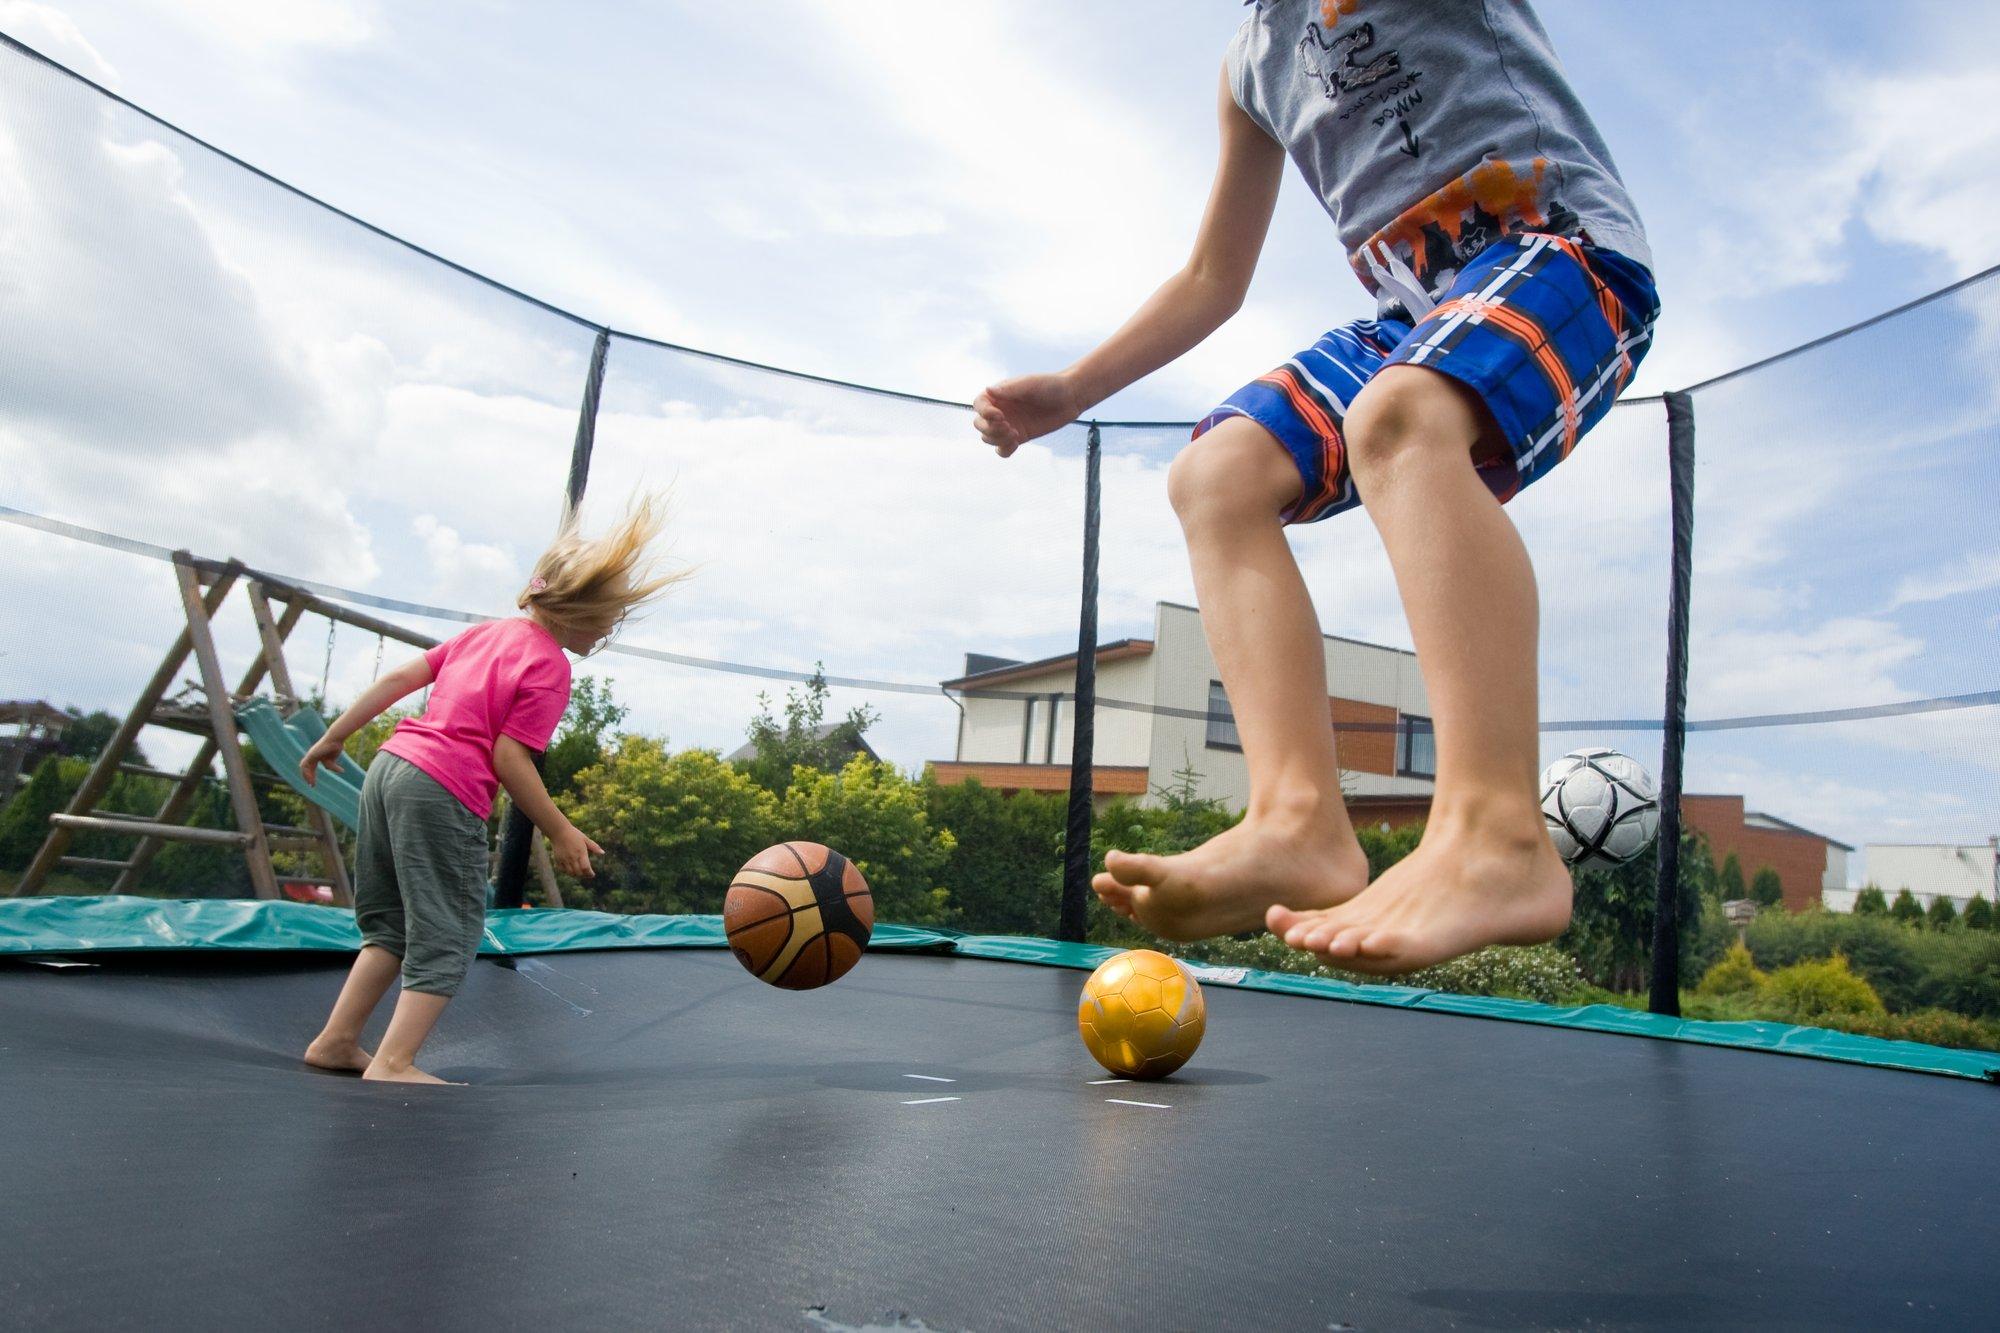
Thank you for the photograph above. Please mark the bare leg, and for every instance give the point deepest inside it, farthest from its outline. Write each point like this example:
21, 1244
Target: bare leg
338, 1046
1295, 844
416, 1014
1485, 872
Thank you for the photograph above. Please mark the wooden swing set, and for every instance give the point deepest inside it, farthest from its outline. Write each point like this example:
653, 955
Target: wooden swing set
277, 607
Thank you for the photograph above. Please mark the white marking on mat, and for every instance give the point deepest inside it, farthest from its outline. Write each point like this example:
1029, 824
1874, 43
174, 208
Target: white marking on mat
527, 967
1100, 1082
926, 1101
931, 1078
1157, 1106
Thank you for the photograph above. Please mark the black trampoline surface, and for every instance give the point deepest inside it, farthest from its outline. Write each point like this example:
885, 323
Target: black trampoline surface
656, 1140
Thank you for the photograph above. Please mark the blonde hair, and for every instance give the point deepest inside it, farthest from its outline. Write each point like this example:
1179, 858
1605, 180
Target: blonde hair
581, 583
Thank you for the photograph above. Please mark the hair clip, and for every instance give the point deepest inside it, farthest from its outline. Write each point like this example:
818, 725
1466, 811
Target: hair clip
538, 584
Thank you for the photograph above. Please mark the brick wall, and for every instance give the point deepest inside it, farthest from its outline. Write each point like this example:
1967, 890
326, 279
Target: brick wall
1799, 858
1104, 780
1365, 751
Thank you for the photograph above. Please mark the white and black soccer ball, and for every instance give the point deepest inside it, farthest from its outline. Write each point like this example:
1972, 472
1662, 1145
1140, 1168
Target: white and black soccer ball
1601, 808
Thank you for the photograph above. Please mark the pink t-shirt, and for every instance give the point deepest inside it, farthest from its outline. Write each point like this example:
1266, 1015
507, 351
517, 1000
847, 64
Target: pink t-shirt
502, 678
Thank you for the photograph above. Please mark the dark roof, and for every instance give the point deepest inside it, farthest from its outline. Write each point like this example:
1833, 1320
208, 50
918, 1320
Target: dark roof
1790, 827
748, 750
33, 711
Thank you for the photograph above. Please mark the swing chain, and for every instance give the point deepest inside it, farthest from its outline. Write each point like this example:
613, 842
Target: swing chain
326, 667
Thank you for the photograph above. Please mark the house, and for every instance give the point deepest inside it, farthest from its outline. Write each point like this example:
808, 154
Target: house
30, 731
748, 750
1161, 709
1929, 871
1809, 864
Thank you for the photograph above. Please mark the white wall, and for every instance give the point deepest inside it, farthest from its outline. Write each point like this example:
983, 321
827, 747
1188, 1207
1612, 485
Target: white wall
991, 732
1960, 872
1184, 666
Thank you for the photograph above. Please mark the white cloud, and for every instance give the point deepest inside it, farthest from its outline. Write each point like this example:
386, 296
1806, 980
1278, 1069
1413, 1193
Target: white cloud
1978, 571
263, 27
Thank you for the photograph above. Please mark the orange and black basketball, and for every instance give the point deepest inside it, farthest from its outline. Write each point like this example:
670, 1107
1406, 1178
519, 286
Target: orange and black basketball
798, 915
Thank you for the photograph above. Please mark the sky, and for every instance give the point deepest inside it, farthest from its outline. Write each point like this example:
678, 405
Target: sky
926, 198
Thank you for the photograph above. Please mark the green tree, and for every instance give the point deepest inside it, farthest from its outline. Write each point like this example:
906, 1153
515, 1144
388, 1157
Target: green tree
1870, 902
1611, 923
1943, 913
591, 719
1736, 974
87, 734
1766, 889
1732, 879
1979, 915
675, 827
1907, 909
875, 817
783, 747
1005, 868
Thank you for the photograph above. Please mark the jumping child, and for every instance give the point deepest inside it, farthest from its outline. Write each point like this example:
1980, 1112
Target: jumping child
1477, 202
498, 691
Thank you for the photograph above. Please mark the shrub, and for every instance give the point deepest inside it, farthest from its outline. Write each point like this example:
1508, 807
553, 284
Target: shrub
1934, 1027
1611, 923
1731, 880
1005, 867
876, 817
1943, 914
675, 827
1543, 973
1766, 889
1870, 902
1806, 991
1979, 915
1737, 974
1907, 909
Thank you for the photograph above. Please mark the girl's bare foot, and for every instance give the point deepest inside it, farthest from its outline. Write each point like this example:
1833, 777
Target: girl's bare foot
343, 1056
380, 1071
1465, 886
1228, 883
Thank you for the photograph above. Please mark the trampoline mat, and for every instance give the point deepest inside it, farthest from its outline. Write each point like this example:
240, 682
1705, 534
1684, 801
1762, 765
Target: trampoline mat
654, 1139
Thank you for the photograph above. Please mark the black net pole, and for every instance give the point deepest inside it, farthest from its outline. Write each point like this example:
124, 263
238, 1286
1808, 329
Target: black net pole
1076, 839
1666, 996
510, 883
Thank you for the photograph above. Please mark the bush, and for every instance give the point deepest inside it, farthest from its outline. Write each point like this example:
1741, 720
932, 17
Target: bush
1943, 915
1906, 908
1766, 889
1611, 924
1543, 973
1934, 1027
1730, 883
1870, 902
1979, 915
1737, 974
1805, 992
876, 817
675, 828
1005, 867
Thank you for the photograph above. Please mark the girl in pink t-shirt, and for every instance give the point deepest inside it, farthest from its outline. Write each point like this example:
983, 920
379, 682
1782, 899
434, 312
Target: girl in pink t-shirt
497, 692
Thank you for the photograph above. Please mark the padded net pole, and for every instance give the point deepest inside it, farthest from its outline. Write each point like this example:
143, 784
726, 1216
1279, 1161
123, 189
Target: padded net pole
517, 837
1666, 992
1076, 840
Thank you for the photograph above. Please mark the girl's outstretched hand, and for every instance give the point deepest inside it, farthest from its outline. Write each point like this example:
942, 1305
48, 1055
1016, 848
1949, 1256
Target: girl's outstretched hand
1012, 412
571, 851
325, 753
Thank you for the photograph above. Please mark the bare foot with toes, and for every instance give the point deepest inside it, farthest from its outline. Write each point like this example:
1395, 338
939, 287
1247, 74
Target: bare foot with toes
1455, 893
1226, 885
381, 1072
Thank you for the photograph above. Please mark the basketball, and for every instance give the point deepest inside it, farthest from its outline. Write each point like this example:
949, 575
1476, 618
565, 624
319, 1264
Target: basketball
798, 915
1142, 1014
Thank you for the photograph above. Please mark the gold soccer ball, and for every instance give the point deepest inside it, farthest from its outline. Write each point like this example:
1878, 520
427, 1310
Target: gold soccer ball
1142, 1014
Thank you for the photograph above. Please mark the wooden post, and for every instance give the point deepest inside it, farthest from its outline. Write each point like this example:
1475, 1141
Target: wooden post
106, 768
546, 873
273, 634
222, 718
188, 785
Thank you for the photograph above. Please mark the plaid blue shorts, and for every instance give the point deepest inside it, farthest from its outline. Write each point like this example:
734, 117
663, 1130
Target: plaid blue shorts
1545, 329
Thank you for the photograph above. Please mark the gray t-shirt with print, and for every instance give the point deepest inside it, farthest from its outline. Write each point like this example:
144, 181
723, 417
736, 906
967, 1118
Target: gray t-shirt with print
1429, 129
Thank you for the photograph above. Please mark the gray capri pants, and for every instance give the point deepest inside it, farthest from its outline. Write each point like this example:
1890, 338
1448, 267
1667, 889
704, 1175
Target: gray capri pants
419, 875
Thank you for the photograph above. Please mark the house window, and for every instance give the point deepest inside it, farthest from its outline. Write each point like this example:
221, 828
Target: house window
1221, 720
1416, 754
